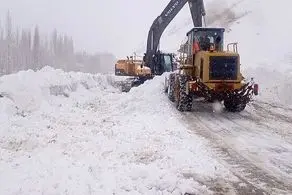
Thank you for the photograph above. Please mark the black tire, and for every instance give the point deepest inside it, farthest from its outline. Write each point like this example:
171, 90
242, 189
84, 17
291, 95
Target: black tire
184, 101
233, 106
170, 90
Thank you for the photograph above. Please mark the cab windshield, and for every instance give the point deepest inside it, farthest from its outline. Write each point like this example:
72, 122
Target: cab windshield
207, 37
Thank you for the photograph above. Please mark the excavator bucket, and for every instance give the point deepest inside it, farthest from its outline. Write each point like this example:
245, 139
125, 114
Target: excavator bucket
127, 84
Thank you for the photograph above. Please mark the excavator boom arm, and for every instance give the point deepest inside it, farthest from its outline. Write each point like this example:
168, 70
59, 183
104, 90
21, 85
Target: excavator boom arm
162, 21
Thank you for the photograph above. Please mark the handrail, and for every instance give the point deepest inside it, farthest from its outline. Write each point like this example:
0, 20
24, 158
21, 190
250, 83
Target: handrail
234, 47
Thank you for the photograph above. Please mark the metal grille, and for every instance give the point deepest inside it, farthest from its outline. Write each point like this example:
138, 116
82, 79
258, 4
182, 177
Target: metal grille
223, 68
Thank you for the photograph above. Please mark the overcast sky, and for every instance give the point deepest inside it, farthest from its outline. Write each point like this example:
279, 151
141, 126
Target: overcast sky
118, 26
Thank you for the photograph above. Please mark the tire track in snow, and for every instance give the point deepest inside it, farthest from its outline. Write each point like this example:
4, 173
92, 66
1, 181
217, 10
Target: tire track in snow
276, 119
274, 105
267, 112
274, 138
222, 131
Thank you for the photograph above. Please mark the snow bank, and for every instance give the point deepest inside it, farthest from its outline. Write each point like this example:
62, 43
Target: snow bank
84, 136
27, 90
98, 140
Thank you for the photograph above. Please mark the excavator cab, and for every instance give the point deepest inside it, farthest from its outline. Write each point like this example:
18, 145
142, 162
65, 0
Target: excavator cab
155, 62
163, 62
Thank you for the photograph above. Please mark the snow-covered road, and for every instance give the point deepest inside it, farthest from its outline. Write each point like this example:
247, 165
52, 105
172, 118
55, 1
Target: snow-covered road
73, 133
256, 144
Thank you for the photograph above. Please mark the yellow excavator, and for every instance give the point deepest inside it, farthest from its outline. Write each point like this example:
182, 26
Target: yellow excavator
154, 61
131, 67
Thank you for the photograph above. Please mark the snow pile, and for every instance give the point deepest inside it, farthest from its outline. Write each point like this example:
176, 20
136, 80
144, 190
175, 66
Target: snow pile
98, 140
27, 90
217, 107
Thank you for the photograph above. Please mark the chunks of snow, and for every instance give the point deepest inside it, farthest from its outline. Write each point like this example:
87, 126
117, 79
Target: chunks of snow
76, 133
95, 139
